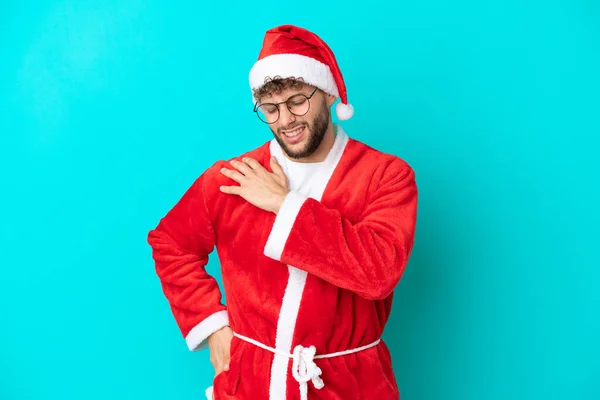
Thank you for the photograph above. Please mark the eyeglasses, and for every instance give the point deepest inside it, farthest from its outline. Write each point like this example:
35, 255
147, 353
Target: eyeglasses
297, 104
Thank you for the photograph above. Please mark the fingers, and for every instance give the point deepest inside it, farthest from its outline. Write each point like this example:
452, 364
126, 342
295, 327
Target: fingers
243, 167
227, 357
252, 163
248, 167
219, 344
276, 167
231, 189
235, 175
222, 368
277, 170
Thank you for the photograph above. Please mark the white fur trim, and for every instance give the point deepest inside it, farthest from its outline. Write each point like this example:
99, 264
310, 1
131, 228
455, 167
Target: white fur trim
344, 111
283, 224
321, 178
286, 325
292, 297
209, 393
311, 70
196, 338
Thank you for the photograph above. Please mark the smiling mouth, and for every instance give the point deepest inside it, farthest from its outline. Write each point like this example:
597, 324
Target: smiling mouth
294, 132
294, 135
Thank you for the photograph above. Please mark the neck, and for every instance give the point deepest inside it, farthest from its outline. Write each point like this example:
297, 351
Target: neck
321, 153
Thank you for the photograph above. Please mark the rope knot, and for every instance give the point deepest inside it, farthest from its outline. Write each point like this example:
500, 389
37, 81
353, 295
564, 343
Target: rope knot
304, 369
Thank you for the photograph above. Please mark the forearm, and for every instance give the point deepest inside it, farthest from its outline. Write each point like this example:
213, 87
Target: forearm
193, 295
367, 257
181, 243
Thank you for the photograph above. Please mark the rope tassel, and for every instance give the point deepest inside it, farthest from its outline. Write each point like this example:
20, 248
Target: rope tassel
304, 368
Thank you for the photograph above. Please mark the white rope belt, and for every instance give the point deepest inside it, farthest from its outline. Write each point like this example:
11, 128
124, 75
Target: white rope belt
304, 368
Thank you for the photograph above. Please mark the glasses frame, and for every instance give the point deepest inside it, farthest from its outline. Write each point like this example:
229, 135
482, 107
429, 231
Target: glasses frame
286, 104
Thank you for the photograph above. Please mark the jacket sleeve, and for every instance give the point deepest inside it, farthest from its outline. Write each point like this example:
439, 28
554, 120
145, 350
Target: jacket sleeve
367, 256
180, 245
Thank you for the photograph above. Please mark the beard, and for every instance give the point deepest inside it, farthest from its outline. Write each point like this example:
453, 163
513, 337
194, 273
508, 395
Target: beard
315, 132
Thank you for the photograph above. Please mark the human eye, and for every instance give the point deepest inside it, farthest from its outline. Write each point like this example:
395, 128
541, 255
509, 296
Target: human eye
268, 108
297, 100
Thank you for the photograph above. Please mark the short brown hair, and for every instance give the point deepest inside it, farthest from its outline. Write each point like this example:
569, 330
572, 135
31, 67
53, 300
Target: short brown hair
276, 85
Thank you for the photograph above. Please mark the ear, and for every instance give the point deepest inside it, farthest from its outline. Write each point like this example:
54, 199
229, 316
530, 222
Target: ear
330, 99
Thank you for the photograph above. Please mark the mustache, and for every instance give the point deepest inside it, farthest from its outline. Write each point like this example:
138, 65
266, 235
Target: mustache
290, 127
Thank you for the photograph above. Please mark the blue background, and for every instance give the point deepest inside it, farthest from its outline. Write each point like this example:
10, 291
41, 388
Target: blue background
110, 109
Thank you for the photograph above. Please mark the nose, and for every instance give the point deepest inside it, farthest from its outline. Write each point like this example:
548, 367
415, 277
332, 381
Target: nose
285, 116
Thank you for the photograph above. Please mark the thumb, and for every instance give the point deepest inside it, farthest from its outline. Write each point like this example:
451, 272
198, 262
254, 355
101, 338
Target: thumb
277, 170
226, 359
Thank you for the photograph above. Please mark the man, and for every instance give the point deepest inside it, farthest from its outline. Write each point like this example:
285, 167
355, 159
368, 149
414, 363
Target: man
313, 230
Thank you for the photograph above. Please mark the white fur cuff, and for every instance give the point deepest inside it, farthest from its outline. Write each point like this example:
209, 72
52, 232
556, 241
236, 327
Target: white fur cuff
283, 224
196, 338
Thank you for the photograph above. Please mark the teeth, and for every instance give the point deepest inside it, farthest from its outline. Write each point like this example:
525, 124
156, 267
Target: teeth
294, 132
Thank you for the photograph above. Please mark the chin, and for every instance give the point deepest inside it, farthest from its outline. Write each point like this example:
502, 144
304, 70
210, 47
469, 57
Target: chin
295, 151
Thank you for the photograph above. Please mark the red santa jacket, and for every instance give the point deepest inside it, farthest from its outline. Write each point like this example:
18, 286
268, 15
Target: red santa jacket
319, 273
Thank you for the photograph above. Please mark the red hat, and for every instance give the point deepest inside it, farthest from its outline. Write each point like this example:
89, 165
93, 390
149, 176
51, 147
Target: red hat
290, 51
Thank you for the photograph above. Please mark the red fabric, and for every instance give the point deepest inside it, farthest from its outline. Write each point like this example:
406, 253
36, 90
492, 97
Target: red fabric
290, 39
180, 246
365, 252
354, 244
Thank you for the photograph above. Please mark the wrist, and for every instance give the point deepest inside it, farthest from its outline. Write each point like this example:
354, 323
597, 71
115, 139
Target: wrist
279, 202
216, 334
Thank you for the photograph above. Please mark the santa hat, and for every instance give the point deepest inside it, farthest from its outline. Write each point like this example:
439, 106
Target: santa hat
290, 51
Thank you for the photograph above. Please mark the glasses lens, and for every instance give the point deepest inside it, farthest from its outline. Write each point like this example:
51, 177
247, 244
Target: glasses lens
298, 104
268, 113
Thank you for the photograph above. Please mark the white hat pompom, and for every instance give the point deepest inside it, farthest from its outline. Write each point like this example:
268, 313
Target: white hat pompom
344, 111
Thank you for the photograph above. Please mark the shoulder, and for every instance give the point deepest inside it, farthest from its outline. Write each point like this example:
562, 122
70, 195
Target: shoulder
380, 165
212, 177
